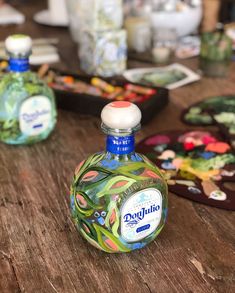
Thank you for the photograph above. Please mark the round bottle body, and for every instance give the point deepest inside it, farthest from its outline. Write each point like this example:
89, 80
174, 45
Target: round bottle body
27, 108
118, 203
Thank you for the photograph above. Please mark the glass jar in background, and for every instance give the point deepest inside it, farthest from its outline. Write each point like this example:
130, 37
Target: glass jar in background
137, 24
74, 19
138, 33
164, 44
215, 54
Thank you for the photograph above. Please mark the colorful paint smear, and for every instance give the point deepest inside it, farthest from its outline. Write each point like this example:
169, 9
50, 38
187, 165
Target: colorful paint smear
196, 165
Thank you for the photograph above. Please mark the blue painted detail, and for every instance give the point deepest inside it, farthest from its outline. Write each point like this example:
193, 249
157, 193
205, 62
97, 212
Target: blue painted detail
110, 164
168, 166
143, 228
136, 158
72, 203
19, 64
120, 145
143, 197
37, 126
137, 245
207, 155
101, 221
165, 212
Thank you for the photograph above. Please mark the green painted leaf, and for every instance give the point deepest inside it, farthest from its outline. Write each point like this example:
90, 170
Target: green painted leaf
108, 188
91, 161
90, 240
112, 220
100, 231
90, 204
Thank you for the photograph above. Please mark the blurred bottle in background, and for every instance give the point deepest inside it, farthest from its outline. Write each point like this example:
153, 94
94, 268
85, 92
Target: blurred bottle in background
27, 104
138, 26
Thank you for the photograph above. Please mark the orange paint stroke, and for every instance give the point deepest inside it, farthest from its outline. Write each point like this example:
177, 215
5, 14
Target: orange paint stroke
218, 147
81, 200
90, 176
120, 184
111, 244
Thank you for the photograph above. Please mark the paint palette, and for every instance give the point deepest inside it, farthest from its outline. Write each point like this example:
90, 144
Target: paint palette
198, 165
218, 110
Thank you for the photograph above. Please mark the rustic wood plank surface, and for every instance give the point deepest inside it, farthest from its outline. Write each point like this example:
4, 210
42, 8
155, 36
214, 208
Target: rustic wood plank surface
40, 249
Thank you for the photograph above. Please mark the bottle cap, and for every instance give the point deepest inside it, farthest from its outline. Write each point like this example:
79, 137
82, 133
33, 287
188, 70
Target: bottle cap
18, 44
121, 115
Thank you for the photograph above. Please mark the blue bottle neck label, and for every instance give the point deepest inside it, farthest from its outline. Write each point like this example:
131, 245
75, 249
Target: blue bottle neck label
120, 145
19, 64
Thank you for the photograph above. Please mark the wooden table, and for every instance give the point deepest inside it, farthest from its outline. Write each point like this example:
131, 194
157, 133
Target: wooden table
40, 249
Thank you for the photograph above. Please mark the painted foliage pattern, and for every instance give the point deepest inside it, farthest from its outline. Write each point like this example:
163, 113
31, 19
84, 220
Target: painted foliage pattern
196, 165
100, 186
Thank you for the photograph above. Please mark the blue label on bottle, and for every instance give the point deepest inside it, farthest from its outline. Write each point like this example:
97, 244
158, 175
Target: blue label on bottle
120, 145
19, 64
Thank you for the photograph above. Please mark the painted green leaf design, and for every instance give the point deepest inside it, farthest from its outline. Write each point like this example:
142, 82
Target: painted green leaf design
134, 166
112, 219
81, 201
78, 168
96, 158
128, 170
89, 176
90, 240
9, 107
112, 186
83, 198
85, 207
84, 165
9, 124
117, 245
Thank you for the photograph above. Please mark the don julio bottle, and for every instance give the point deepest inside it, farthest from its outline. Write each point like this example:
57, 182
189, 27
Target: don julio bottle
118, 197
27, 104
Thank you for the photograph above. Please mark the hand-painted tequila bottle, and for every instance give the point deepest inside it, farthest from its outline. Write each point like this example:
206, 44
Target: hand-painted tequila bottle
27, 104
118, 197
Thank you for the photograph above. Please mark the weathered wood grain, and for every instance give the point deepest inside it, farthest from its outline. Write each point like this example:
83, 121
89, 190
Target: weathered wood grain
40, 249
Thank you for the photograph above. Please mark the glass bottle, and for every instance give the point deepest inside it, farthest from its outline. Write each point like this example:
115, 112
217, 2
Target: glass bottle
138, 24
118, 197
27, 104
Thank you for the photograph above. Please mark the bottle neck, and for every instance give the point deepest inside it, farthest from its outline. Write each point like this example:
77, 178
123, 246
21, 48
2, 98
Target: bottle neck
18, 64
120, 145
